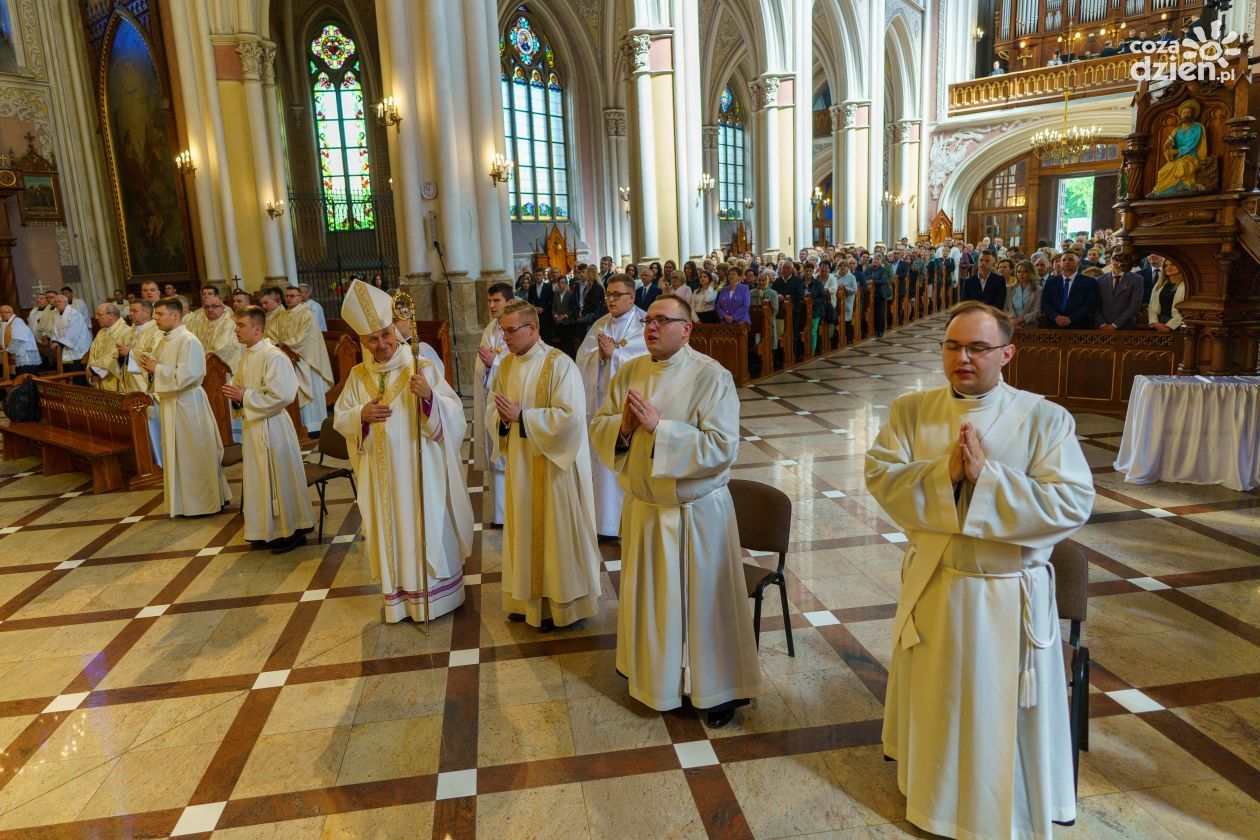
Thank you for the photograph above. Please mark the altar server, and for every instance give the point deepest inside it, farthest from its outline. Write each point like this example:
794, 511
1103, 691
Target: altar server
669, 430
537, 413
490, 353
613, 340
105, 370
273, 480
192, 453
403, 426
984, 480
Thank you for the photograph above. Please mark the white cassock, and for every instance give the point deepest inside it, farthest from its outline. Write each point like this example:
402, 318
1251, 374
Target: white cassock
103, 356
416, 515
17, 338
195, 323
72, 332
272, 476
684, 624
192, 453
550, 551
483, 434
976, 712
219, 337
145, 338
597, 372
302, 335
318, 311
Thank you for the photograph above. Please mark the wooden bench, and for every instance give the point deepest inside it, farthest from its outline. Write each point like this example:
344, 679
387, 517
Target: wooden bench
727, 344
103, 433
762, 316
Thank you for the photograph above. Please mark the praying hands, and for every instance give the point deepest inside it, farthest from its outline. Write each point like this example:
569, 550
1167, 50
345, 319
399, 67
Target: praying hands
509, 412
967, 458
638, 412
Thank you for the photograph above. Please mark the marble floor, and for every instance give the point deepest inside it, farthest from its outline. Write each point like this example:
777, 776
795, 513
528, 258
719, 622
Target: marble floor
157, 677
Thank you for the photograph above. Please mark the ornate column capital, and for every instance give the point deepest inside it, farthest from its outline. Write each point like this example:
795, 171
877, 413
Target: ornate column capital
268, 63
709, 136
906, 131
765, 91
615, 122
635, 48
251, 59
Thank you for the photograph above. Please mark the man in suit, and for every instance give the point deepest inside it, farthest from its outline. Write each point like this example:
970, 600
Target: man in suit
564, 314
880, 276
606, 270
546, 293
1071, 301
1119, 295
1151, 274
987, 286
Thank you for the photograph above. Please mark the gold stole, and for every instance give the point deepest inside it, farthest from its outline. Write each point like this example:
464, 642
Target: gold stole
542, 508
384, 475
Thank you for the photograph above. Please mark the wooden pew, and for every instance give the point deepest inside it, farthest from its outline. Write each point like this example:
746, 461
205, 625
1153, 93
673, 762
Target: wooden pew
103, 433
763, 326
727, 344
787, 332
807, 345
344, 355
219, 374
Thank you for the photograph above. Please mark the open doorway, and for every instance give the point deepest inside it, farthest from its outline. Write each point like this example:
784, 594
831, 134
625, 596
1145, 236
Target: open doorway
1074, 207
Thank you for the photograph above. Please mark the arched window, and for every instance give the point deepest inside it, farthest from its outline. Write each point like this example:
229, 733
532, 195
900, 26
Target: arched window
337, 91
730, 157
533, 122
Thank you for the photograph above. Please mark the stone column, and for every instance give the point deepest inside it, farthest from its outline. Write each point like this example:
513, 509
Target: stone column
645, 235
251, 52
619, 166
279, 175
857, 131
907, 177
841, 192
764, 96
693, 206
399, 75
712, 218
486, 143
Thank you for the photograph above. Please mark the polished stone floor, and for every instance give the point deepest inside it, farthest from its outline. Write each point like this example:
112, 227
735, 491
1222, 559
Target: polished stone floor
157, 677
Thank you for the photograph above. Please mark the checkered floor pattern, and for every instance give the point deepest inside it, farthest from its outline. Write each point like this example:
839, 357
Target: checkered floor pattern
159, 678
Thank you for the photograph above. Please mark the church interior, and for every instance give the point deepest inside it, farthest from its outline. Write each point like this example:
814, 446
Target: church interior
166, 675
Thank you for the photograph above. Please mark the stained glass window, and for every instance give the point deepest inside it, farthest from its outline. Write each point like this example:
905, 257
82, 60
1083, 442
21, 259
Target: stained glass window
534, 123
730, 157
341, 131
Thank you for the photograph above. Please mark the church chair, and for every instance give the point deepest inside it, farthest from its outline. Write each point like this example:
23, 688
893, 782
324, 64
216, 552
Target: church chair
1071, 572
331, 444
764, 517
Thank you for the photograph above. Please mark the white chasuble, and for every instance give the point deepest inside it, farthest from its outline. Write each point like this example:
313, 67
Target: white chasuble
272, 478
302, 335
976, 710
417, 520
195, 322
192, 453
550, 551
597, 372
219, 337
483, 434
145, 339
684, 623
103, 357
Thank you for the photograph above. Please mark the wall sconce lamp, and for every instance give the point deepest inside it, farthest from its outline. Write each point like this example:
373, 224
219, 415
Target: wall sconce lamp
979, 33
184, 163
501, 170
748, 202
275, 209
706, 183
816, 198
387, 112
624, 192
893, 199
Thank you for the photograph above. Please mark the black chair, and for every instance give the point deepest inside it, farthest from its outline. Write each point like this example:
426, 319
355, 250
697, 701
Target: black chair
1071, 573
764, 516
330, 443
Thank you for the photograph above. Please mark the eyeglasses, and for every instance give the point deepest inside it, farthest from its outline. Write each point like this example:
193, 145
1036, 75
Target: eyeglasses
660, 321
973, 350
617, 295
513, 330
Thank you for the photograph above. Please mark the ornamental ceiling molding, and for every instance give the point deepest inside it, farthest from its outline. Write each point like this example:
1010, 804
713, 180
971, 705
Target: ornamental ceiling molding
31, 106
31, 47
950, 149
592, 14
912, 13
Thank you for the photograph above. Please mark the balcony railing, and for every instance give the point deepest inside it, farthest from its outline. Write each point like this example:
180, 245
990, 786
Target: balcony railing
1091, 77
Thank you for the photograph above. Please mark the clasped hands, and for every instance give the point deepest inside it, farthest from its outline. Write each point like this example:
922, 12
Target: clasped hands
147, 362
509, 412
486, 355
966, 460
235, 393
606, 345
638, 412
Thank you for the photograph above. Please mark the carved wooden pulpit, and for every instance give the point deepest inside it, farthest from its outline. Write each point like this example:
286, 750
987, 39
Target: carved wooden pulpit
941, 229
1189, 192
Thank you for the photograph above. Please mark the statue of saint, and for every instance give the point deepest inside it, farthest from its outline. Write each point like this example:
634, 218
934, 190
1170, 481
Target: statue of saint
1185, 150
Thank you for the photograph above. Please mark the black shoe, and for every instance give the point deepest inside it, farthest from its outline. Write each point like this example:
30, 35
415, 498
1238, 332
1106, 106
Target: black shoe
1064, 823
518, 617
547, 626
287, 544
717, 720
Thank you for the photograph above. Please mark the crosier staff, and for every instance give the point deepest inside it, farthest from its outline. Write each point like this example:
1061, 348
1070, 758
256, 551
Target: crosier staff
405, 310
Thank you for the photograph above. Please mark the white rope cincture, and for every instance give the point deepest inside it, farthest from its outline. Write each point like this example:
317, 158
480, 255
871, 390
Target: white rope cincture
1028, 676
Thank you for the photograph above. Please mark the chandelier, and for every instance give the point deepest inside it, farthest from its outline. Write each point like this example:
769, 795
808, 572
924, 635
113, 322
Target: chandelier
1066, 144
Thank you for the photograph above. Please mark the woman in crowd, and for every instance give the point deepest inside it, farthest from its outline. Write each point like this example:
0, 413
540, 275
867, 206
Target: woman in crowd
1023, 300
732, 301
1166, 297
678, 286
523, 284
704, 299
632, 271
692, 274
